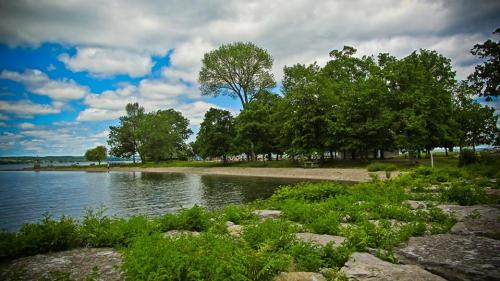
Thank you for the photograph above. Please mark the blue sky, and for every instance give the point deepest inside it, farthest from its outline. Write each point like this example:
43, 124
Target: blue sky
68, 68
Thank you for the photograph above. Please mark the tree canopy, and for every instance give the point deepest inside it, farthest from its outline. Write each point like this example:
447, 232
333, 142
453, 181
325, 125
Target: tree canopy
216, 135
487, 74
99, 153
239, 70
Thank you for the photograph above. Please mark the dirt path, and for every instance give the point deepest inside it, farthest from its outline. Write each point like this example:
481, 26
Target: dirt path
348, 175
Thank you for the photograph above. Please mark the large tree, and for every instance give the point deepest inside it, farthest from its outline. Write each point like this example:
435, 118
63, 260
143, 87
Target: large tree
99, 153
239, 70
487, 74
216, 135
477, 123
124, 139
163, 134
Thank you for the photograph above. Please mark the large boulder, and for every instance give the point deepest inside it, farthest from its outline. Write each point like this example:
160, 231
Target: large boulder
299, 276
320, 239
478, 219
77, 264
363, 266
267, 214
455, 257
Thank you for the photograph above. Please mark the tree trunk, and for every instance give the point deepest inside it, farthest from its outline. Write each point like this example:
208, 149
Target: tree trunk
344, 156
99, 162
270, 156
375, 154
411, 157
252, 151
381, 154
331, 154
133, 158
446, 151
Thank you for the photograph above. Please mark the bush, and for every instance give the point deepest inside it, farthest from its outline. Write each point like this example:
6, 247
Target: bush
193, 219
485, 157
238, 214
467, 157
465, 195
272, 235
310, 192
378, 166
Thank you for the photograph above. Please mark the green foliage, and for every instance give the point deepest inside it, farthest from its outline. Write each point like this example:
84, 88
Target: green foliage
98, 153
124, 139
465, 194
486, 74
239, 70
270, 235
378, 166
216, 135
193, 219
310, 192
467, 157
238, 214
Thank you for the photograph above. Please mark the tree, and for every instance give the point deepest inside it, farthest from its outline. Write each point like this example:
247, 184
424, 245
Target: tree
216, 135
162, 135
421, 85
308, 112
239, 70
477, 122
124, 139
99, 153
256, 124
487, 74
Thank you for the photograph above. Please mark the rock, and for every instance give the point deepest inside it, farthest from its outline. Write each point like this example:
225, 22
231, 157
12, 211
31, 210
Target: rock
78, 264
415, 205
235, 230
478, 219
320, 239
176, 233
299, 276
345, 218
363, 266
267, 214
229, 223
454, 257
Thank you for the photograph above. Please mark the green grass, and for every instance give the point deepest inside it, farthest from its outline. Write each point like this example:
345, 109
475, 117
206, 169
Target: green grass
370, 215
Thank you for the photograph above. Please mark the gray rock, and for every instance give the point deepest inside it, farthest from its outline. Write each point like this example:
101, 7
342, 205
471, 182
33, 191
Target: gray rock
77, 263
235, 230
299, 276
363, 266
267, 214
320, 239
176, 233
478, 219
415, 205
454, 257
229, 223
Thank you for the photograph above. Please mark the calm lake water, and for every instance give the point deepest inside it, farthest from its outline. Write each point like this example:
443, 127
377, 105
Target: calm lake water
26, 196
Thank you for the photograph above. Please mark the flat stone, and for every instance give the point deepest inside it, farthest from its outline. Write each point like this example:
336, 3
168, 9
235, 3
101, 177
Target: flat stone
363, 266
176, 233
454, 257
77, 263
320, 239
267, 214
235, 230
415, 205
478, 219
299, 276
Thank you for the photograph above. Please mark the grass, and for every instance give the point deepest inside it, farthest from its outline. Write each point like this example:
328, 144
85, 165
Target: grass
370, 215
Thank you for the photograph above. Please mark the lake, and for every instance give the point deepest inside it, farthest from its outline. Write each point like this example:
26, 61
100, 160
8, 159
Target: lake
25, 196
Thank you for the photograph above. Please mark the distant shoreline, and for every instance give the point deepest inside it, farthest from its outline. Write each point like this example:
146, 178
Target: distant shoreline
331, 174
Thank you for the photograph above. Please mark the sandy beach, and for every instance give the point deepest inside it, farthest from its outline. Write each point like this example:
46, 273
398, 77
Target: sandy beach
334, 174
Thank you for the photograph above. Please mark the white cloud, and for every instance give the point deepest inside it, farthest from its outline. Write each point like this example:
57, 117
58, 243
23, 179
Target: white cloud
8, 140
27, 109
97, 114
26, 125
39, 83
108, 62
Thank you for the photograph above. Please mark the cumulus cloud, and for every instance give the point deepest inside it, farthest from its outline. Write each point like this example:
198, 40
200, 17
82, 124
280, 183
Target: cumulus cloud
293, 31
108, 62
39, 83
27, 109
26, 125
8, 140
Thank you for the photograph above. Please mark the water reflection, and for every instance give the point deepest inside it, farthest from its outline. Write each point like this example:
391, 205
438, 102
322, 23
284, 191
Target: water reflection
26, 196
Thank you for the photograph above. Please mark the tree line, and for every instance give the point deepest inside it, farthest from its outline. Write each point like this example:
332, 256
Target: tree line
360, 106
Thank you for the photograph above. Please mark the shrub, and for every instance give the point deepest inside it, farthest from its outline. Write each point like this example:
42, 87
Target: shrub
271, 234
467, 157
238, 214
485, 157
310, 192
378, 166
193, 219
464, 194
307, 257
46, 236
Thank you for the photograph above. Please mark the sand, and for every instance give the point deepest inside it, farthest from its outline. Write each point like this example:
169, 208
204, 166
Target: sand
334, 174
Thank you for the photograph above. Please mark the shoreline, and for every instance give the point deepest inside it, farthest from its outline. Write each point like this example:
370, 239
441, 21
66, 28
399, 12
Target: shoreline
330, 174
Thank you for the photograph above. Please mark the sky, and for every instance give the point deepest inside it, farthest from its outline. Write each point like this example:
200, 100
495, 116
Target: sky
68, 68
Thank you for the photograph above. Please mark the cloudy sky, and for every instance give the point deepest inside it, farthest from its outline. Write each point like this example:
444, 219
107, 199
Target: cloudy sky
68, 68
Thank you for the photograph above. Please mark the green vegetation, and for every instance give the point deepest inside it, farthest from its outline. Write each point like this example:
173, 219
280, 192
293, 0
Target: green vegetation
98, 153
372, 216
